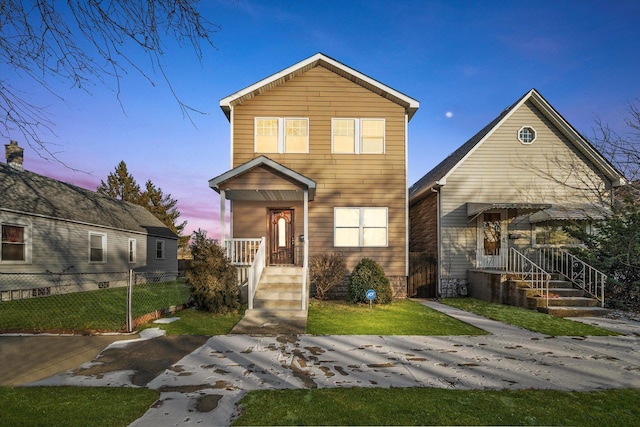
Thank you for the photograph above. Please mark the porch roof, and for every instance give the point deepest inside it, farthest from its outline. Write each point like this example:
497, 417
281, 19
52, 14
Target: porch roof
474, 209
265, 194
567, 213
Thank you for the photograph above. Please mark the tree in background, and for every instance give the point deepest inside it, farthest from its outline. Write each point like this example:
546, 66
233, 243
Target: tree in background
162, 206
615, 248
122, 186
87, 43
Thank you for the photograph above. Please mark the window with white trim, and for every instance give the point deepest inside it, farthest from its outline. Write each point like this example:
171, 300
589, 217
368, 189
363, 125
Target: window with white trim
281, 135
159, 249
97, 247
16, 243
357, 136
554, 233
132, 251
360, 227
526, 135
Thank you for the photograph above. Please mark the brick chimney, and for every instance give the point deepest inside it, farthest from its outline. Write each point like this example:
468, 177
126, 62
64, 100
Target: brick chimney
14, 155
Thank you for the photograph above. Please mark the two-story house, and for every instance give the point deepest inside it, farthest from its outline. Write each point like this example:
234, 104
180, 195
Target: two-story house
318, 165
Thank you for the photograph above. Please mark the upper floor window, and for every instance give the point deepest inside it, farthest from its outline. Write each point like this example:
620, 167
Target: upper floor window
14, 243
281, 135
357, 136
97, 247
360, 227
159, 249
526, 135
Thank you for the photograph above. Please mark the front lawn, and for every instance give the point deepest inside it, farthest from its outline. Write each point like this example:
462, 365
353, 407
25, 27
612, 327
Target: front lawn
197, 322
429, 406
74, 406
402, 317
527, 319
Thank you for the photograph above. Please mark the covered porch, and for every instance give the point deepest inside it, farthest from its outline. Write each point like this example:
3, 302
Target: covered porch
269, 213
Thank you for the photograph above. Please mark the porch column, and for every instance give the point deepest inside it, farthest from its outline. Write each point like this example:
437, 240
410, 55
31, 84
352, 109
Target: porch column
305, 262
223, 224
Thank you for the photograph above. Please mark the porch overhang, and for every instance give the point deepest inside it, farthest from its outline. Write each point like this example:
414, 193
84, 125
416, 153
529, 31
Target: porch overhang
569, 213
297, 184
474, 209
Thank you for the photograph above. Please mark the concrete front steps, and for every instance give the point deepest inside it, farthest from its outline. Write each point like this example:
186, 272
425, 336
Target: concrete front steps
277, 305
565, 301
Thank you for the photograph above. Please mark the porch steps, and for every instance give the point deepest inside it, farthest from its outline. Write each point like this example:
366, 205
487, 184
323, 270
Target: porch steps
564, 301
276, 305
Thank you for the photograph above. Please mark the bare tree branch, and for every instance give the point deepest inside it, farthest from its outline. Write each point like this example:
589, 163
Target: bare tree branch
88, 43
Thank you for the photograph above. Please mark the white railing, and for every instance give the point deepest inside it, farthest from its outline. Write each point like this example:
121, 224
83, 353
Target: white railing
574, 269
255, 271
242, 252
525, 269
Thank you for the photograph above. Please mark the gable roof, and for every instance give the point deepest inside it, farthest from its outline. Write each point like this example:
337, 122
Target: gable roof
319, 60
438, 175
25, 192
258, 194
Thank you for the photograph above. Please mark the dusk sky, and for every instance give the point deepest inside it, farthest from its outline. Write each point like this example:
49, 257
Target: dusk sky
464, 61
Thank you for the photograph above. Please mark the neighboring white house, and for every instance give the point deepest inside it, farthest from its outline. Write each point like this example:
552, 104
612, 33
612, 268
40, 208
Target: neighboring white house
512, 185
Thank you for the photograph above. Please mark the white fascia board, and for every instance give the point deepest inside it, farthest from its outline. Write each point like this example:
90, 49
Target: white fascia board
226, 102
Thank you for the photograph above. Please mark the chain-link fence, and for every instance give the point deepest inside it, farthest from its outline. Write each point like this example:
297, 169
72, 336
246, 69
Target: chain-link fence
87, 302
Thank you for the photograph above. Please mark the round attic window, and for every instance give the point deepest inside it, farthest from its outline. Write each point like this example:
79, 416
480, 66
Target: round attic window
526, 135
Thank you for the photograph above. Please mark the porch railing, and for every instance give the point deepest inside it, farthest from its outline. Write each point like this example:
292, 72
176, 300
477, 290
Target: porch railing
255, 271
525, 269
587, 278
242, 252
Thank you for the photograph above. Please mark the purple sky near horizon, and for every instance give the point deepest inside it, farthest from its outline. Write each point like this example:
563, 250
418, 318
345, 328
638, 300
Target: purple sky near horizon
465, 61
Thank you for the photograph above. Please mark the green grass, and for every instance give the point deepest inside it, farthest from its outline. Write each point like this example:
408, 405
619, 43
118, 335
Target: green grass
195, 322
101, 310
403, 317
427, 406
527, 319
74, 406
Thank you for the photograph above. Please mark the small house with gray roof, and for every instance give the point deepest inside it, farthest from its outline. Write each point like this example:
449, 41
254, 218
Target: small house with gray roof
508, 190
51, 226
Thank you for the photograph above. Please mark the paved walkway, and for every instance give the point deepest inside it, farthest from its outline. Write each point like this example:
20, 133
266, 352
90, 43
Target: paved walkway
204, 386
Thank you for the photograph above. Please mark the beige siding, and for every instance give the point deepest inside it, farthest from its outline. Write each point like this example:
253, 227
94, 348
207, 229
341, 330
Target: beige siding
362, 180
502, 169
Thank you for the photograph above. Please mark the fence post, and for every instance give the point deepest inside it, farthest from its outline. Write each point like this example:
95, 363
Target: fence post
129, 295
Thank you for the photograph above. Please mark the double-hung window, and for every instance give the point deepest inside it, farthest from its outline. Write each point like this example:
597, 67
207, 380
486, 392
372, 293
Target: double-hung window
281, 135
360, 227
97, 247
15, 243
357, 136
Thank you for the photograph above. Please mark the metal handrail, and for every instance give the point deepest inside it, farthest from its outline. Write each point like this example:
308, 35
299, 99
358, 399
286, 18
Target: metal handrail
519, 265
587, 278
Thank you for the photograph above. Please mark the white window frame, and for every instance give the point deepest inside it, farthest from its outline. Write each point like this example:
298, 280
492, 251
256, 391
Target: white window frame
358, 122
162, 248
282, 135
361, 227
588, 228
103, 240
132, 251
533, 132
26, 241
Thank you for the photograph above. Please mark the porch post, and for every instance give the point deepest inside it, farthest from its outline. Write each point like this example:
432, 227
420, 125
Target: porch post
305, 262
223, 224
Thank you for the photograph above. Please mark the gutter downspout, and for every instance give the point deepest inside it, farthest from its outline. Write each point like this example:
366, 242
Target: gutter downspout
439, 242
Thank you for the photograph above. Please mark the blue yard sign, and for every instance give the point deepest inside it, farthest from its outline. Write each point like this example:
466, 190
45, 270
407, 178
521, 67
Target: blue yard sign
371, 294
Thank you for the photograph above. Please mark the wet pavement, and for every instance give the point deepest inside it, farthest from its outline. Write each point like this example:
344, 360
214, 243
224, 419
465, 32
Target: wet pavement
204, 386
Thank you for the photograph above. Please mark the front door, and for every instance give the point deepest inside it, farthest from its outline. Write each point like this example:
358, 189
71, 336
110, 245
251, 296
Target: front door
281, 237
492, 240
